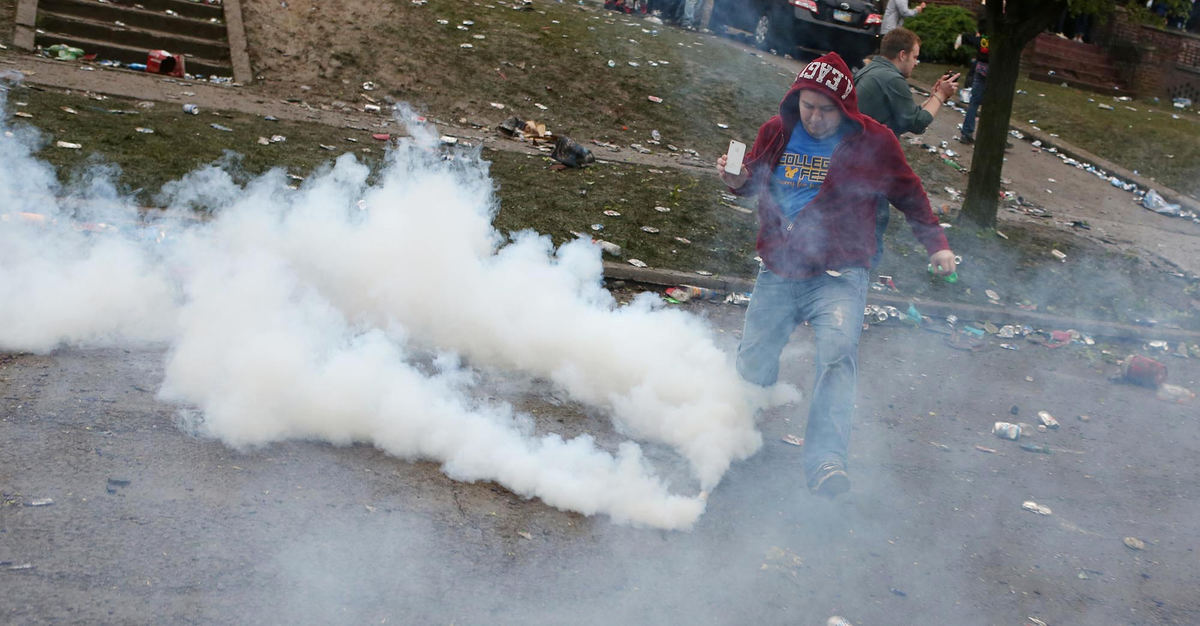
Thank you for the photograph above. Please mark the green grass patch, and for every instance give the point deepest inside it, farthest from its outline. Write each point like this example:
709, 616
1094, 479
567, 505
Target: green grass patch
1152, 138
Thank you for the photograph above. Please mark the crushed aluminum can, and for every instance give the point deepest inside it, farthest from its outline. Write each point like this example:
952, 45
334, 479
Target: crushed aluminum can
609, 247
637, 263
1059, 255
1047, 419
67, 144
739, 299
650, 229
952, 319
191, 109
1133, 543
1006, 430
1034, 507
372, 108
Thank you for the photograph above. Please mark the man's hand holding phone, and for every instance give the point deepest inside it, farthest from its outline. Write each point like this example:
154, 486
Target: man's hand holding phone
945, 86
730, 167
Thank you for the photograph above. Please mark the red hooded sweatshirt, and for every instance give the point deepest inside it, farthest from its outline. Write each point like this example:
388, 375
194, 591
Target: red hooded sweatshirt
837, 228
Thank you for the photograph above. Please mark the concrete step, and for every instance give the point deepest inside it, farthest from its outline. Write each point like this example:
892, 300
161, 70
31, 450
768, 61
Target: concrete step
1078, 83
137, 18
1086, 74
133, 37
1059, 45
183, 8
105, 50
1065, 60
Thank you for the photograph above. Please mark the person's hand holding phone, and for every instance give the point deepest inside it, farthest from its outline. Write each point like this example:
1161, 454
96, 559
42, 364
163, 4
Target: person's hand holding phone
946, 86
729, 165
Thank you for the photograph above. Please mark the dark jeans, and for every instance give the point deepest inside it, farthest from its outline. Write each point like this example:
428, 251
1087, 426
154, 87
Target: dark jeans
978, 84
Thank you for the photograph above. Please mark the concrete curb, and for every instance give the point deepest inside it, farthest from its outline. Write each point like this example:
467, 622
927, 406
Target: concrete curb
26, 23
966, 312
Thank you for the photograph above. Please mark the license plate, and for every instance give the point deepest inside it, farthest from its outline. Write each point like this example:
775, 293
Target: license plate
843, 16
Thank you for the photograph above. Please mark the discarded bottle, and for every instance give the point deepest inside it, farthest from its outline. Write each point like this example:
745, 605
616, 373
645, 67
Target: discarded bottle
1006, 430
952, 277
683, 293
1144, 371
1033, 447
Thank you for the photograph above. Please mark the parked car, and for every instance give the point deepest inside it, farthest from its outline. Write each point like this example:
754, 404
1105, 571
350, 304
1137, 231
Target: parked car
848, 27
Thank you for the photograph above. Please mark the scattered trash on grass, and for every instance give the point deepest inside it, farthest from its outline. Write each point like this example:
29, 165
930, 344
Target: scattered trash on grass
570, 153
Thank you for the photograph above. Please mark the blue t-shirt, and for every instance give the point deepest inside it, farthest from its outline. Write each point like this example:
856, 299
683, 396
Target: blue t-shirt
801, 170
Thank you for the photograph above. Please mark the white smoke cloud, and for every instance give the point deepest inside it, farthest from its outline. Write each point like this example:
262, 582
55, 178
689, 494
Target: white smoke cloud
309, 314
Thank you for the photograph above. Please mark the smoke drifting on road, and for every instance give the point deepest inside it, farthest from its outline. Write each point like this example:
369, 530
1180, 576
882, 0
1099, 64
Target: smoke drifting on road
351, 312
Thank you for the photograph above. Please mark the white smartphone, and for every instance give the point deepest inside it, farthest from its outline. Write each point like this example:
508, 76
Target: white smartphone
737, 152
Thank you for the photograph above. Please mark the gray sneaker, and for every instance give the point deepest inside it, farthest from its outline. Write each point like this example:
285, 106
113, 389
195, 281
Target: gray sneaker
830, 480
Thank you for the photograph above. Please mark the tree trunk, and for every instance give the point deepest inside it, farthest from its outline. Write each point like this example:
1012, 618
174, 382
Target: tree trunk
1013, 24
983, 186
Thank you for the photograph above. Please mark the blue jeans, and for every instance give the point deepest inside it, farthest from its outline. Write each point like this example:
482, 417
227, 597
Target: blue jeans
978, 84
834, 306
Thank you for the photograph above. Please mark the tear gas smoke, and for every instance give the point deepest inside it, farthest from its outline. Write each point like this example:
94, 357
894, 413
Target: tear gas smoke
308, 314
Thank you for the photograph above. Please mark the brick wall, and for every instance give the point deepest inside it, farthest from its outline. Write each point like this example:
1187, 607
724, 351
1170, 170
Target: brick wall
1153, 61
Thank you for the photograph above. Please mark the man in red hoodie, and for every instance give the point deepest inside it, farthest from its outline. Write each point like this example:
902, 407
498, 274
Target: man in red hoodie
819, 169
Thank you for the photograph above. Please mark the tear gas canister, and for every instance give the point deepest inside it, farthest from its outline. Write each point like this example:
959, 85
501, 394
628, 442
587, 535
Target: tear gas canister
1144, 371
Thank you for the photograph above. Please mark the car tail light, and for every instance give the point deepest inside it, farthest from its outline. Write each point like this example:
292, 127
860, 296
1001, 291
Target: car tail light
811, 5
874, 18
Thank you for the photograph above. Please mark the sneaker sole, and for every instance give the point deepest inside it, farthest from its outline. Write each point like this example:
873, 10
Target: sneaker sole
833, 484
